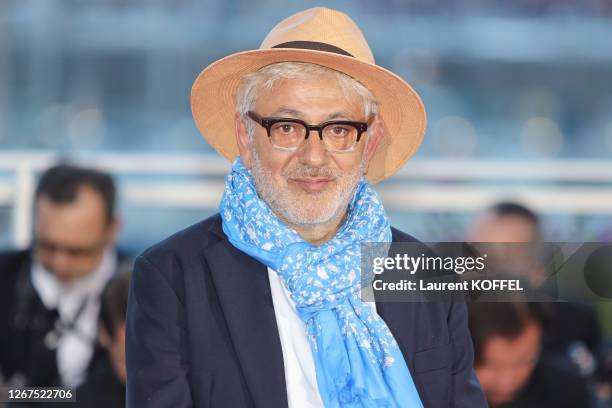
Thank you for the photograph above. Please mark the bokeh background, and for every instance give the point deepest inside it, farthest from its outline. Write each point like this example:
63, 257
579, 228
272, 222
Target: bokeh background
518, 94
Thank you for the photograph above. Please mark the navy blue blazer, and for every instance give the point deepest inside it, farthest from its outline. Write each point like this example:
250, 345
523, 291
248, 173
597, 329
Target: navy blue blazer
201, 331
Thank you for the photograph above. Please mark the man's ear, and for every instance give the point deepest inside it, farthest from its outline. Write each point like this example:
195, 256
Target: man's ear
242, 139
376, 132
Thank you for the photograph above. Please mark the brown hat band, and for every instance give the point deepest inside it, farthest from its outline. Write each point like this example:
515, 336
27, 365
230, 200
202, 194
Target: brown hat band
314, 45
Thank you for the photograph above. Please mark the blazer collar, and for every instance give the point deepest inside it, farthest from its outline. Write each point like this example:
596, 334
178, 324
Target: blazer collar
244, 293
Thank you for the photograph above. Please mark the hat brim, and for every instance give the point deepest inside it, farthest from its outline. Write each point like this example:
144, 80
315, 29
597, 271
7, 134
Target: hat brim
400, 107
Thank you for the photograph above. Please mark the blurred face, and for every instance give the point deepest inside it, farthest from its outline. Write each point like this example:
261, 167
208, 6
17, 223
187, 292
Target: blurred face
70, 238
508, 228
309, 186
513, 247
507, 364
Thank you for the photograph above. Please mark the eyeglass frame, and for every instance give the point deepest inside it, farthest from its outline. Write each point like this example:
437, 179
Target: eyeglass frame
268, 122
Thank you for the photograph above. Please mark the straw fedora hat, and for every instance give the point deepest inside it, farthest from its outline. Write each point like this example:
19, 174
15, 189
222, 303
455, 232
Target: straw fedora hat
325, 37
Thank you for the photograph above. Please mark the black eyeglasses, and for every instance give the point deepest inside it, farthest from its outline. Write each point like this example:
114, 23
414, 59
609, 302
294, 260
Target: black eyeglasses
338, 136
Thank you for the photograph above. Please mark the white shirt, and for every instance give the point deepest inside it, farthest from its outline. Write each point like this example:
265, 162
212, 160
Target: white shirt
74, 347
300, 374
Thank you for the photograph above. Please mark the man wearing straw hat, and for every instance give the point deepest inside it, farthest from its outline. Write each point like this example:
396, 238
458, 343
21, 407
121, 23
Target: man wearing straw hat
259, 306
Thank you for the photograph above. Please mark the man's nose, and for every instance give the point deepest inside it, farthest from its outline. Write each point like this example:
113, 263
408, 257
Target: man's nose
313, 152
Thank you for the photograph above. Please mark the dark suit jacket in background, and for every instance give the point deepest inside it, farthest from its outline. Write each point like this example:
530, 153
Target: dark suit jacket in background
201, 331
24, 323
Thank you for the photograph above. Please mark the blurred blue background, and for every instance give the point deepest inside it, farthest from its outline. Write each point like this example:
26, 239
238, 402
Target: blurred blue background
518, 94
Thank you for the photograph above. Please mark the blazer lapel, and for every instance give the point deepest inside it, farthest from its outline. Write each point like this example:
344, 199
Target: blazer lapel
243, 288
400, 316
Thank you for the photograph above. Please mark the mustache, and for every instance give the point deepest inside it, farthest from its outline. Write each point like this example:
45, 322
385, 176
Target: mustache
306, 171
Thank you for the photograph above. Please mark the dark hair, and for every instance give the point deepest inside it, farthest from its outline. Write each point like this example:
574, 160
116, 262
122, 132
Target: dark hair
114, 300
504, 319
509, 208
61, 184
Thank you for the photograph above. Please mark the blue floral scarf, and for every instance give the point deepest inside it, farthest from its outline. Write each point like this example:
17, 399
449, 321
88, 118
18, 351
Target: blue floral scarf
357, 361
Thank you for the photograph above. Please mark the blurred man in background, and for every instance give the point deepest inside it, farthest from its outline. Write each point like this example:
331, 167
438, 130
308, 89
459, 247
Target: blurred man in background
509, 364
50, 293
512, 225
572, 336
506, 222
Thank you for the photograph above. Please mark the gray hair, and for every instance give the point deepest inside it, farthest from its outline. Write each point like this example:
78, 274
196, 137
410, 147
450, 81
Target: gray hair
266, 77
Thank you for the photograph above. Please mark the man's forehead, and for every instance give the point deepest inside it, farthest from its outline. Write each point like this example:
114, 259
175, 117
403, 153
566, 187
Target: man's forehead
85, 213
286, 111
309, 101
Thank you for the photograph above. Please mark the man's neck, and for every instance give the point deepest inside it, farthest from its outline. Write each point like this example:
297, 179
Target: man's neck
318, 234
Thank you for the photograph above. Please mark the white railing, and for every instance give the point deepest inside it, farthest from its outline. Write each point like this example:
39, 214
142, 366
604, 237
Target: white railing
444, 185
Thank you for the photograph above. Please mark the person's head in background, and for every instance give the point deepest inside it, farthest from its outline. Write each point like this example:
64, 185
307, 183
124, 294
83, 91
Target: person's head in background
74, 220
506, 222
507, 341
113, 309
513, 234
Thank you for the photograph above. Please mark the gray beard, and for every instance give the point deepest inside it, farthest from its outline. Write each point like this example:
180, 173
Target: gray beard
300, 213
